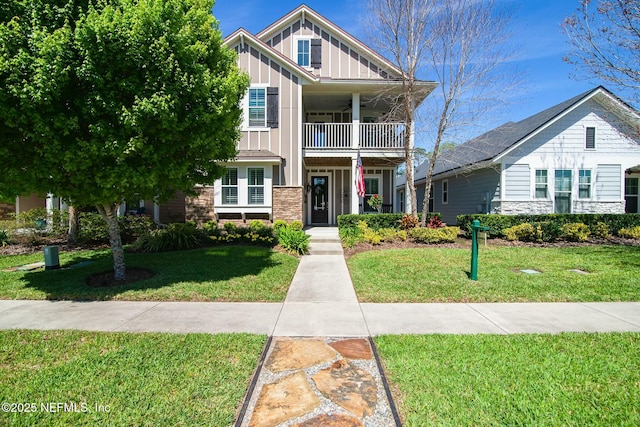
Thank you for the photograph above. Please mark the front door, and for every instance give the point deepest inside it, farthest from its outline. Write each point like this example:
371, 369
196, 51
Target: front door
320, 200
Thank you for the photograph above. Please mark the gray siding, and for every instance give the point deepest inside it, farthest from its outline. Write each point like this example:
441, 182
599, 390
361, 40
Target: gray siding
608, 182
517, 180
468, 194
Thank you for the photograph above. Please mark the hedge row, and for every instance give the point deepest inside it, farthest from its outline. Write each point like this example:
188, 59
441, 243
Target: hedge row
374, 221
497, 223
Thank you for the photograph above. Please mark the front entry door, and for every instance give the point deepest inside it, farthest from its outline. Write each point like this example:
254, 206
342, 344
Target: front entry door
320, 200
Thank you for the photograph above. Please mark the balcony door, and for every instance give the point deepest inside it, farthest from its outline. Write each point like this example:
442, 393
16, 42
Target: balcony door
320, 200
319, 131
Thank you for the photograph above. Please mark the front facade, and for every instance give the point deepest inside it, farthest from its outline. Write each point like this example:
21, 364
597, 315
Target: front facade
318, 98
580, 156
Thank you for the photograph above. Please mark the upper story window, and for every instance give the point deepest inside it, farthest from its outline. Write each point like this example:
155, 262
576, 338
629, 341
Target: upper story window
304, 52
257, 107
590, 143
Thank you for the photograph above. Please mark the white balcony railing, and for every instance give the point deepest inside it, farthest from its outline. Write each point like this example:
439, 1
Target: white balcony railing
340, 135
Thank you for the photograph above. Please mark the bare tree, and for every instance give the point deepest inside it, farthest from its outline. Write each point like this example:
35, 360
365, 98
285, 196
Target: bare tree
460, 42
604, 36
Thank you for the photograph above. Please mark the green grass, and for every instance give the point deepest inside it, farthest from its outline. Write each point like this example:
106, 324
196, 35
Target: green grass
516, 380
141, 379
230, 273
441, 274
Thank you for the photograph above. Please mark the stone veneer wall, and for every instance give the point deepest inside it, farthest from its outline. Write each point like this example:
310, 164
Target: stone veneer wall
200, 207
598, 207
287, 203
6, 209
526, 208
546, 207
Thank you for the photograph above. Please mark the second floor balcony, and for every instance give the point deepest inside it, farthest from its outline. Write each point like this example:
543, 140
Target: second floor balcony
347, 136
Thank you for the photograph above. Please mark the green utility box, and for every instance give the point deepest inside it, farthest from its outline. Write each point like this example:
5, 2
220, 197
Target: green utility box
51, 258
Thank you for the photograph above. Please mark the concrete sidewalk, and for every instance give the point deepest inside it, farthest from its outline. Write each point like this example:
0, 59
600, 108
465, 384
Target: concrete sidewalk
321, 302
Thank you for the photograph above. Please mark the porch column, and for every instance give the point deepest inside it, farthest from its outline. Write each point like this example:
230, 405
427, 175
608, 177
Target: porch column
355, 199
355, 118
156, 210
49, 207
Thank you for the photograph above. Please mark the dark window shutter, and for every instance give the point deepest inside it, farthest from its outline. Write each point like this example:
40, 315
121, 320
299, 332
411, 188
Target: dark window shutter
272, 107
316, 53
591, 138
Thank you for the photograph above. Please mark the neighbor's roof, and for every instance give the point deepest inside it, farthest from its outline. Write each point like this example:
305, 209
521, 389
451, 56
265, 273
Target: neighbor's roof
491, 145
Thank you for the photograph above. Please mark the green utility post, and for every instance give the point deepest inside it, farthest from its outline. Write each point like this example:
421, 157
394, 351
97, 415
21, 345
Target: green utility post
475, 227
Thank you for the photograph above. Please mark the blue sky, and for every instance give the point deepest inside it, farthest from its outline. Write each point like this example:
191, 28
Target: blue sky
537, 37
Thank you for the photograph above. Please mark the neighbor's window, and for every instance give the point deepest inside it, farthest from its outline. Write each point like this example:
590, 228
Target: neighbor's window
256, 186
304, 52
590, 142
230, 187
257, 107
542, 184
445, 192
584, 183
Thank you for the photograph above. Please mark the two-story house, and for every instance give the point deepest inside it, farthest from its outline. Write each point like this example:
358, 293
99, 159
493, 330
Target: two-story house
318, 98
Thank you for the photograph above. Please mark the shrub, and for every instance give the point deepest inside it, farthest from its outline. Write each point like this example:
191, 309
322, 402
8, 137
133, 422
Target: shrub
230, 227
58, 221
175, 237
294, 240
375, 221
524, 232
210, 228
402, 235
434, 235
630, 233
388, 234
92, 228
435, 222
550, 230
4, 238
350, 236
296, 225
278, 224
600, 230
408, 222
134, 226
576, 232
256, 225
372, 236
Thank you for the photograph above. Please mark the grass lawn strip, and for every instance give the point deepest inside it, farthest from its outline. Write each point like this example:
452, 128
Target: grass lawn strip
544, 380
141, 379
230, 273
441, 275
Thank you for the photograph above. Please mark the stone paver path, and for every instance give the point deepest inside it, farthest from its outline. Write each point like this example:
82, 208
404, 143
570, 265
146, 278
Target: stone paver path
319, 382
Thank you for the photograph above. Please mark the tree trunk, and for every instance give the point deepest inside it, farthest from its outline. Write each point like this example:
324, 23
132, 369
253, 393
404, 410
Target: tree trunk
72, 236
109, 214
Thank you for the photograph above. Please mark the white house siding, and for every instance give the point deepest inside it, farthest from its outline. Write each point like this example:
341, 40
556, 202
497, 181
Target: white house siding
468, 194
285, 139
561, 146
340, 59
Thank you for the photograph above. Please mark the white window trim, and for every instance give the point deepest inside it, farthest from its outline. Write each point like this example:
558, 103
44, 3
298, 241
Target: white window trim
445, 182
249, 186
245, 109
535, 183
591, 186
243, 189
236, 186
595, 136
295, 50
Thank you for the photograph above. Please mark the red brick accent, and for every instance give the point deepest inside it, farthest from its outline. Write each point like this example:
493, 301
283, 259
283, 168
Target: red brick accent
287, 203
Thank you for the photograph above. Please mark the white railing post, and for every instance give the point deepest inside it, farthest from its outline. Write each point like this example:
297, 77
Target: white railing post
355, 110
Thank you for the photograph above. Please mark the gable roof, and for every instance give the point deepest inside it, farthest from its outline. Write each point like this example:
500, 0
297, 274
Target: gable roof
497, 142
302, 11
243, 36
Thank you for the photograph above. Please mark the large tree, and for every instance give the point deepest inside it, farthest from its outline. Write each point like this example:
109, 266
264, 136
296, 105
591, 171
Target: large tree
461, 45
604, 36
104, 100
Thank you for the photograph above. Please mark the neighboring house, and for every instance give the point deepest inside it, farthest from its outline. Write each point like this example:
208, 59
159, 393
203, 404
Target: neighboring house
318, 97
580, 156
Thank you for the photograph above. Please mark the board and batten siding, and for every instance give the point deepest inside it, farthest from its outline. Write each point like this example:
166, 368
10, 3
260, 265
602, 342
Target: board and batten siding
339, 59
283, 140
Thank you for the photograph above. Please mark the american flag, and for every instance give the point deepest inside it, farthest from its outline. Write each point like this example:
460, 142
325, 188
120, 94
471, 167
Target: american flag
360, 177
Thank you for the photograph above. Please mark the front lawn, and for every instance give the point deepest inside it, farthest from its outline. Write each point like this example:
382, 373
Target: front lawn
57, 378
517, 380
441, 274
225, 273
